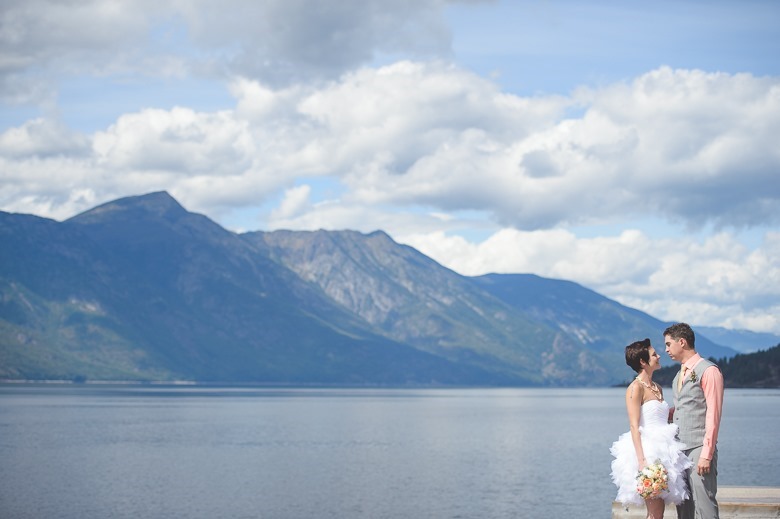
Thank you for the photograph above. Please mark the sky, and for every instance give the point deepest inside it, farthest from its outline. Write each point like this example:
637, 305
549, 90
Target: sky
631, 147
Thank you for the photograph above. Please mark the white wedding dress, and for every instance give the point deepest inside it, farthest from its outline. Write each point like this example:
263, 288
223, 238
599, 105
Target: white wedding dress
659, 442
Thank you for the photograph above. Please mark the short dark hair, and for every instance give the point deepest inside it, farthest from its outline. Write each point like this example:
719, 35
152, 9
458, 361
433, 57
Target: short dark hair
682, 331
636, 352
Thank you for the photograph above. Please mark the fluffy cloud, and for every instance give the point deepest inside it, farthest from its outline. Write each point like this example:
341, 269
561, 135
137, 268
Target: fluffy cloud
42, 41
296, 201
284, 41
413, 135
708, 135
433, 135
277, 41
37, 31
180, 141
41, 138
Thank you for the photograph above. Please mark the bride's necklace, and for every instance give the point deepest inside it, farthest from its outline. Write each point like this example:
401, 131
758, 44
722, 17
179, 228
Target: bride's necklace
654, 388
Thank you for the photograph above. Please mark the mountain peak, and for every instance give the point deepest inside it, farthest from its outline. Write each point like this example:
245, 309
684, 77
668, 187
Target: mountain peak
160, 204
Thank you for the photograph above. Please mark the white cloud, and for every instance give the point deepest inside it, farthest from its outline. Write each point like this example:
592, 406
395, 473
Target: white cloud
280, 42
41, 40
415, 134
431, 135
178, 141
207, 160
283, 40
296, 201
35, 30
709, 135
553, 253
41, 138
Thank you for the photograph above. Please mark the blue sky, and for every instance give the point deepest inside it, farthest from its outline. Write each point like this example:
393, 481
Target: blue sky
558, 46
627, 146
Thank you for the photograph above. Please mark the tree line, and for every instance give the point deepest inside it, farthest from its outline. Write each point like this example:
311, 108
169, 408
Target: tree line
760, 369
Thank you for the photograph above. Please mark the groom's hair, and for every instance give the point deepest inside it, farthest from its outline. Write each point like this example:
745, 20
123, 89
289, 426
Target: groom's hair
636, 352
682, 331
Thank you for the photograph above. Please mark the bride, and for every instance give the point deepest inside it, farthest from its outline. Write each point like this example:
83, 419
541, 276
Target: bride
650, 438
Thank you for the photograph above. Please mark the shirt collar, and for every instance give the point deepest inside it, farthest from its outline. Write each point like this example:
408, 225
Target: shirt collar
691, 363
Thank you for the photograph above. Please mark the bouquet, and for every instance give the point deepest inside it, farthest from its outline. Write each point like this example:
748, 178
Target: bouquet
652, 480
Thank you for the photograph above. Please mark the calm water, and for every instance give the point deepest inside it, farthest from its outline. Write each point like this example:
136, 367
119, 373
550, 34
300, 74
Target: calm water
147, 452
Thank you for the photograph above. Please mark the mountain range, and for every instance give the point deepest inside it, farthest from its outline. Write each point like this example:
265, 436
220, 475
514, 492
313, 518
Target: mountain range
141, 289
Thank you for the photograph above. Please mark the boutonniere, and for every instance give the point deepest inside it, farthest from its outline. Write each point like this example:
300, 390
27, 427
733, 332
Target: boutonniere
693, 376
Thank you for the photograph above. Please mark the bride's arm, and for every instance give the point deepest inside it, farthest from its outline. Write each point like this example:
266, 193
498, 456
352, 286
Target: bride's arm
634, 396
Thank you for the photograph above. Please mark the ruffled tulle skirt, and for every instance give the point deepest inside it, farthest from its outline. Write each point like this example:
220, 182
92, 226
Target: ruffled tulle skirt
659, 442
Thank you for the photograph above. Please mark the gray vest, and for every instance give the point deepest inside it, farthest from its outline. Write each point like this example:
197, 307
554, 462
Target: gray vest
690, 408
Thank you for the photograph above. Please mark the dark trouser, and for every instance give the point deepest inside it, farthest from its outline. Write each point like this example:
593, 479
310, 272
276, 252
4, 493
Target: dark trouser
702, 503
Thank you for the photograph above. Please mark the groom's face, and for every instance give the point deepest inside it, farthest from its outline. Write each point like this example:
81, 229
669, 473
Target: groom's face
674, 347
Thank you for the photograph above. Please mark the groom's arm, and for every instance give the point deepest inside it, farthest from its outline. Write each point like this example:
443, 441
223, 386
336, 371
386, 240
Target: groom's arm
712, 385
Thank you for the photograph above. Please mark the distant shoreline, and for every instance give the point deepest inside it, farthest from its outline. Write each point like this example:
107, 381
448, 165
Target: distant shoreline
270, 385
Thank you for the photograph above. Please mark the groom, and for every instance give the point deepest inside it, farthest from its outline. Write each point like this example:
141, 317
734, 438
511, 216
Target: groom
698, 401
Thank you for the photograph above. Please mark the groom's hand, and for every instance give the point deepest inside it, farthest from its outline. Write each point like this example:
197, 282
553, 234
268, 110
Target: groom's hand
703, 467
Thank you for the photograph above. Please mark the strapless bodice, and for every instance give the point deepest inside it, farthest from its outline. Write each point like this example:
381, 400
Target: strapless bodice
654, 412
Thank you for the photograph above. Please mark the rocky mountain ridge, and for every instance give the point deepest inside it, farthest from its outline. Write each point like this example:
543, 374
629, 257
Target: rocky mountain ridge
142, 289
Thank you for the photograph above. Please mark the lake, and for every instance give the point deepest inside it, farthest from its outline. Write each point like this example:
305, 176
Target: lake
92, 451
